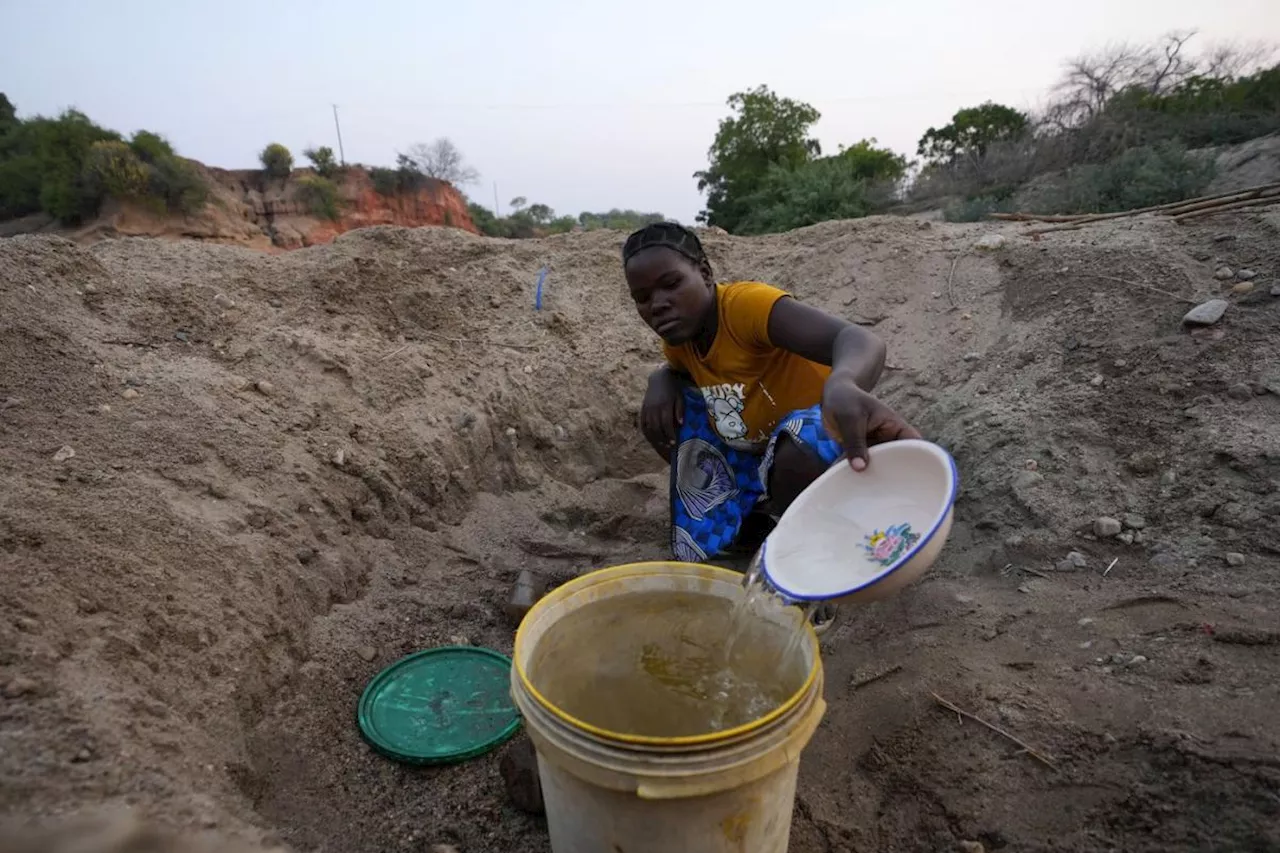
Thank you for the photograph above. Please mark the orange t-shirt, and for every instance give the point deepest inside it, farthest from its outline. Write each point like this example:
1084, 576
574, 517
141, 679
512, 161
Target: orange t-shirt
749, 384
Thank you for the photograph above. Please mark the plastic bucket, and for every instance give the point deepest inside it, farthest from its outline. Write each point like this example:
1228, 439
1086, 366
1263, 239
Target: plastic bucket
611, 792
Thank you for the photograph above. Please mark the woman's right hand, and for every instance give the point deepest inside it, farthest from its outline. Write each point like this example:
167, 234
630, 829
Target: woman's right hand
662, 412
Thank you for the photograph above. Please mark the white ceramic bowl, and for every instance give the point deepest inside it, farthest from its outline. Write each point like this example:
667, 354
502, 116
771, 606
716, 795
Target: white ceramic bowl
863, 535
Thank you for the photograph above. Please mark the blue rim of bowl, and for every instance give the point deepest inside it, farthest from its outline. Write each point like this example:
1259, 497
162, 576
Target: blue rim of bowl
901, 561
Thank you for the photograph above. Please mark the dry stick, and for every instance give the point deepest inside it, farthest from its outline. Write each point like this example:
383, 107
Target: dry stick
951, 295
394, 352
1035, 572
1110, 567
1081, 218
1194, 205
1029, 750
857, 685
1185, 299
1176, 212
1256, 202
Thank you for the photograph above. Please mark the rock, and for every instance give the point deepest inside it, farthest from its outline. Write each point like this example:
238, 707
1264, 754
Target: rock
264, 387
1224, 274
1133, 521
1206, 313
495, 302
367, 653
1105, 527
19, 686
306, 556
1143, 463
1246, 275
1087, 620
219, 490
64, 453
560, 433
1097, 380
1025, 588
510, 432
971, 356
85, 754
1242, 288
339, 458
89, 289
528, 369
1223, 238
26, 624
1240, 391
1168, 478
1137, 660
224, 301
1065, 566
1031, 465
275, 303
991, 242
1027, 479
1125, 538
443, 848
182, 337
1235, 558
9, 403
1275, 290
1077, 559
519, 770
972, 847
130, 394
459, 640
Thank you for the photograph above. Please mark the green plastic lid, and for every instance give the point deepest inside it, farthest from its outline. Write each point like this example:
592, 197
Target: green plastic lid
440, 705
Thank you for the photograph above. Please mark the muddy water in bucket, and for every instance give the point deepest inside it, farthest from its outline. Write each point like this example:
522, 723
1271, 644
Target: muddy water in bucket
680, 663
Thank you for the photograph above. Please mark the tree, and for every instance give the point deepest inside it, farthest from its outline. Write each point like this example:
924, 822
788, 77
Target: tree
441, 159
277, 162
322, 160
765, 131
972, 131
8, 114
869, 163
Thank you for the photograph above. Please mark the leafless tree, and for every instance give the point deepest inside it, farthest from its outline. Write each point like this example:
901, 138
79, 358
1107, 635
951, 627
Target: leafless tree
442, 160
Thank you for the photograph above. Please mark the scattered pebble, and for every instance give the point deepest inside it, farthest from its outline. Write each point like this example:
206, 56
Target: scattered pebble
972, 847
306, 556
339, 458
443, 848
1097, 380
1224, 274
1088, 620
1275, 290
1235, 558
367, 653
991, 242
1206, 313
1105, 527
1025, 588
20, 686
1246, 275
64, 453
1242, 288
459, 640
1137, 660
224, 301
27, 624
560, 432
1027, 479
1223, 238
275, 303
1133, 521
83, 755
130, 394
1077, 559
511, 432
1125, 538
1031, 465
1143, 462
182, 337
971, 356
528, 369
495, 302
1168, 478
1065, 566
264, 387
1240, 391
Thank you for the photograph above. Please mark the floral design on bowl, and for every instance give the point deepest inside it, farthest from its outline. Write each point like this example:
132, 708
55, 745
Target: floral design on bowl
886, 546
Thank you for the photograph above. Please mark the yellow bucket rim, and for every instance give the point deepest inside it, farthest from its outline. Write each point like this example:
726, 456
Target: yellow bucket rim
646, 740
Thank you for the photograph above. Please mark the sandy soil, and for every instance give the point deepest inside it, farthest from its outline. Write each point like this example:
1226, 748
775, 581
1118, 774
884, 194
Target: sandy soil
290, 470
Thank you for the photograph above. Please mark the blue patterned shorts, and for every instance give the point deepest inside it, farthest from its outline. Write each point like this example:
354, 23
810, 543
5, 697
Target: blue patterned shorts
715, 487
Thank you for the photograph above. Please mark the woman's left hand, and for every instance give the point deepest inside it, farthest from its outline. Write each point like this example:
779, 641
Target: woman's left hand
858, 420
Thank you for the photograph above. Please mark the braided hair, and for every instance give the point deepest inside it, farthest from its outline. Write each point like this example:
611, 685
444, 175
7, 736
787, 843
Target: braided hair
668, 235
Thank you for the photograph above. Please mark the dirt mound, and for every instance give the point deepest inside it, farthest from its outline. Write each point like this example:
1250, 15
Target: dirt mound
290, 470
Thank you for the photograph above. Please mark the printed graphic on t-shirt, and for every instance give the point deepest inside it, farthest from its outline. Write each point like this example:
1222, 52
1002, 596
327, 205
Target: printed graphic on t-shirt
725, 404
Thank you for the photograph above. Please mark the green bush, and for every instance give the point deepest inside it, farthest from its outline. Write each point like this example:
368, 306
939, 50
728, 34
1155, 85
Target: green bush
817, 191
320, 195
150, 147
179, 183
1140, 177
975, 209
112, 168
405, 178
277, 162
322, 160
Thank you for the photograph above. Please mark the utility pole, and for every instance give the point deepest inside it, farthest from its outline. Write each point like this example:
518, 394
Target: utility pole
342, 157
496, 211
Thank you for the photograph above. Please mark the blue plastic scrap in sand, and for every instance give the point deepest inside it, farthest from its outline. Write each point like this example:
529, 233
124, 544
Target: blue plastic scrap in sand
537, 296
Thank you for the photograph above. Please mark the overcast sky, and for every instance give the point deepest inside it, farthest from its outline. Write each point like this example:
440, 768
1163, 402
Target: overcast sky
579, 104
